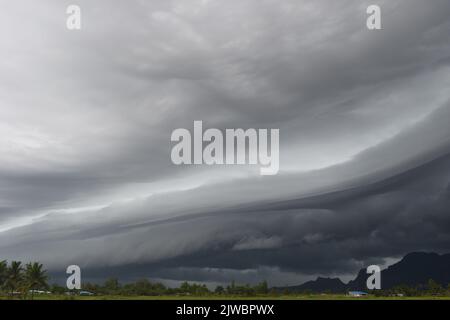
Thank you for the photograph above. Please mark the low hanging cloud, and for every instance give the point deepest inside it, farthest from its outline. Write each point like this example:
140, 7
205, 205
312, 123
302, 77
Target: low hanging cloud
85, 172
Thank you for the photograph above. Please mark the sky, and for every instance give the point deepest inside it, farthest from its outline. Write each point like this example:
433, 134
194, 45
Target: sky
86, 118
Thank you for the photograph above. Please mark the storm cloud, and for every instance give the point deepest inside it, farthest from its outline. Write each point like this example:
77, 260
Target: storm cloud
86, 118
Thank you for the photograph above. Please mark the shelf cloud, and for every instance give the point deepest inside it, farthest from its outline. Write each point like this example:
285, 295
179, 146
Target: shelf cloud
86, 119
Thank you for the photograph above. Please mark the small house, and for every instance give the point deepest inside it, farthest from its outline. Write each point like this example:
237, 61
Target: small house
357, 293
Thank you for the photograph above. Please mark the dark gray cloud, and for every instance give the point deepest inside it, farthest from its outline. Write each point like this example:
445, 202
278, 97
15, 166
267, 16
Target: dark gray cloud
85, 172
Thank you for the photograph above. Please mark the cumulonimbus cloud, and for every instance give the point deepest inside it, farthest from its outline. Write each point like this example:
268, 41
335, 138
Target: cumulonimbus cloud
85, 172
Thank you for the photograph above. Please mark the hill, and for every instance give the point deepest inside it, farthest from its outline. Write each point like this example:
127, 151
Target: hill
414, 269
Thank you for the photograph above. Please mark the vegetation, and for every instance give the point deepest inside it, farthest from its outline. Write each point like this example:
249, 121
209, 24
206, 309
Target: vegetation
31, 281
432, 288
35, 278
144, 287
16, 280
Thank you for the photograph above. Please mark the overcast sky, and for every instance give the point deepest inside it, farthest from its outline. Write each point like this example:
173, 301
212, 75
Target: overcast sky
86, 118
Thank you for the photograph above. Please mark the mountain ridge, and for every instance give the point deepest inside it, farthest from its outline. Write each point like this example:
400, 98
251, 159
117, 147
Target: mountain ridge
414, 269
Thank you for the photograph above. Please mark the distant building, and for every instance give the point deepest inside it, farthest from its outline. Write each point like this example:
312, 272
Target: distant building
397, 295
357, 293
38, 292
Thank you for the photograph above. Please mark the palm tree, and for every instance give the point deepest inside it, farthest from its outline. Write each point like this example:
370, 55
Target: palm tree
35, 277
3, 273
14, 276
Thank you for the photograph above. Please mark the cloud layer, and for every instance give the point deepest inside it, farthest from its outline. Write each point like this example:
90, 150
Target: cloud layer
86, 118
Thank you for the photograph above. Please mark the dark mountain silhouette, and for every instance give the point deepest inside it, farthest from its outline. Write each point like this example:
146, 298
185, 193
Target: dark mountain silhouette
331, 285
414, 269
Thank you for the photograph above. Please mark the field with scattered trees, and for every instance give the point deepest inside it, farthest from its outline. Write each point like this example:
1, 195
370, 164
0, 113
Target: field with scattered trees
31, 281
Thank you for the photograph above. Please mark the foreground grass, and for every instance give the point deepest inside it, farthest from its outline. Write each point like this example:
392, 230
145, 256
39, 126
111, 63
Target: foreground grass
277, 297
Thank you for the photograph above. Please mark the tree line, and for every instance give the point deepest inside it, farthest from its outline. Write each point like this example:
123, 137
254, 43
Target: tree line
144, 287
431, 288
25, 280
22, 280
